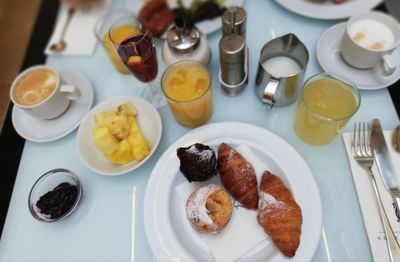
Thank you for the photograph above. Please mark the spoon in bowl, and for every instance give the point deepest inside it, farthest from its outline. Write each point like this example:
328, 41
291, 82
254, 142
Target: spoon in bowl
396, 139
61, 44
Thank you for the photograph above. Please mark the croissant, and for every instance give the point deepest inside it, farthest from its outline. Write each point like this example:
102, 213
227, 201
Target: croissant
279, 214
238, 176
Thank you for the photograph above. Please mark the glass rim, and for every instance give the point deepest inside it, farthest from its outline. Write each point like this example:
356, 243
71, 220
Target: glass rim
177, 64
136, 19
99, 23
349, 84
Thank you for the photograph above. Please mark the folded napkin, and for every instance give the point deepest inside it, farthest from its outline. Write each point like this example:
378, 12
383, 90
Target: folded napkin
366, 198
243, 233
79, 36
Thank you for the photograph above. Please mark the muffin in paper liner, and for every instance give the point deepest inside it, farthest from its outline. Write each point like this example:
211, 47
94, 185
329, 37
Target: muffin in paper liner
209, 209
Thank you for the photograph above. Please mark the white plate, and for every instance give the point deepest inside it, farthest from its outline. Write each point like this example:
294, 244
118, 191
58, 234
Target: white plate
206, 26
331, 61
39, 131
328, 10
148, 120
166, 235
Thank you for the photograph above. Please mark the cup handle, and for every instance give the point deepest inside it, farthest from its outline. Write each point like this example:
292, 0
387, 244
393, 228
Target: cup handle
269, 91
388, 65
71, 92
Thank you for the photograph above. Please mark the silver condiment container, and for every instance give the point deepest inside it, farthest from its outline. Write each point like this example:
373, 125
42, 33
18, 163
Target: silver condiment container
233, 56
185, 43
234, 21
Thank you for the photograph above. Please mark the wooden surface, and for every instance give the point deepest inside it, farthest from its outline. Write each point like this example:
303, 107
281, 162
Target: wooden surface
17, 18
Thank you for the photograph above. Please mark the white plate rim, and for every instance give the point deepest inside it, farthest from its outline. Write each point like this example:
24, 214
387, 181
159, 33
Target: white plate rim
329, 11
206, 27
158, 184
121, 99
89, 97
327, 69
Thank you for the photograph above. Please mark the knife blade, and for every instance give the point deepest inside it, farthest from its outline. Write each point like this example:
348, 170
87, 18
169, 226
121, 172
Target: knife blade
381, 155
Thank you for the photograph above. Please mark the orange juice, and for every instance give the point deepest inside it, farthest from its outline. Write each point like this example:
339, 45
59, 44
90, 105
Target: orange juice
118, 34
187, 86
325, 107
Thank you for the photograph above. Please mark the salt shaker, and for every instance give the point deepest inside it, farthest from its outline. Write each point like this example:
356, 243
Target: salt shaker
233, 55
234, 21
185, 43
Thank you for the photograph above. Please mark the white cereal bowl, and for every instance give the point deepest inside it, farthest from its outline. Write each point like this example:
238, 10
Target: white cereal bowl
149, 122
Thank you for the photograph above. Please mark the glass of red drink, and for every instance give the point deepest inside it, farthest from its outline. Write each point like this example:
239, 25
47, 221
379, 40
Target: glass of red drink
137, 51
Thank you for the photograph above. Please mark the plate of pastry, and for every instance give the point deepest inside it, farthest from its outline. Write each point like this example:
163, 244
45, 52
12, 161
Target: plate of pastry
328, 9
232, 192
160, 14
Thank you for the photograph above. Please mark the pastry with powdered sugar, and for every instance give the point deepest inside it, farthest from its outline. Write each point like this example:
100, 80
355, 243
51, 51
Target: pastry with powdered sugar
209, 209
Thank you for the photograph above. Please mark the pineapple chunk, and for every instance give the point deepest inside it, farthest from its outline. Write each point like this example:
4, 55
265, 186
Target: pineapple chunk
118, 125
140, 148
104, 141
101, 117
127, 109
123, 154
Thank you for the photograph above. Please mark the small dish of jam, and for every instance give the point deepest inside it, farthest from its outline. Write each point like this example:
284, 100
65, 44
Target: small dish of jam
55, 195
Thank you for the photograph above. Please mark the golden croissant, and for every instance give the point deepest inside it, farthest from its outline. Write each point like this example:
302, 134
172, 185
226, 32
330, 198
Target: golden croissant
279, 214
238, 176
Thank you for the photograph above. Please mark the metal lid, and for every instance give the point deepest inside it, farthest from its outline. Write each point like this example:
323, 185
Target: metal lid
235, 16
232, 49
183, 39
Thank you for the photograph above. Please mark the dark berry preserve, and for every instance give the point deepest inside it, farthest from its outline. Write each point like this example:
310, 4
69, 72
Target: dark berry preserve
59, 201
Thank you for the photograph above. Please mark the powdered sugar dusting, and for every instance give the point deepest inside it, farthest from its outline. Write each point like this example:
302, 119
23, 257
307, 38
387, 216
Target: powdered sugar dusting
202, 155
267, 201
196, 206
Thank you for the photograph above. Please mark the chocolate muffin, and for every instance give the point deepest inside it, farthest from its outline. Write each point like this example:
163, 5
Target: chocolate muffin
198, 162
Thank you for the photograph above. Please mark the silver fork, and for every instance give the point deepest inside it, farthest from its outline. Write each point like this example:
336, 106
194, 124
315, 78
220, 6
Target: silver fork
362, 153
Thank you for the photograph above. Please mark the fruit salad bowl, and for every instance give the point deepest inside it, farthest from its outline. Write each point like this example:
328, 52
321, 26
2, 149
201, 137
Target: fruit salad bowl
108, 145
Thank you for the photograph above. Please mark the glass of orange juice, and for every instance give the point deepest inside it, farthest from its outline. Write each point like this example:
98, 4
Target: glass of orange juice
187, 86
120, 33
326, 104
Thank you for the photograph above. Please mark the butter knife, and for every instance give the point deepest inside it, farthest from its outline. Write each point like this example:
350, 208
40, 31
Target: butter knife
378, 144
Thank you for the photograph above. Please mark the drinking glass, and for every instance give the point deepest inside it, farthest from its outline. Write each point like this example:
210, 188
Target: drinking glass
137, 51
102, 29
326, 104
187, 86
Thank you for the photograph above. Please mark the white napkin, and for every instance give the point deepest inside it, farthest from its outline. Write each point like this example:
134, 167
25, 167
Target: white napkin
243, 233
79, 36
366, 198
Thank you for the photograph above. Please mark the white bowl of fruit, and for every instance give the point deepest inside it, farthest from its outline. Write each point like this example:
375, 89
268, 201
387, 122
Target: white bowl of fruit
119, 135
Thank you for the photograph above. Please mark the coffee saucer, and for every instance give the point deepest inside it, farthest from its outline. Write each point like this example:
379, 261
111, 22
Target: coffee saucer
37, 130
331, 61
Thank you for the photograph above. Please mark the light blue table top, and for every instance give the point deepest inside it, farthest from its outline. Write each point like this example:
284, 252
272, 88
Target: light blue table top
100, 230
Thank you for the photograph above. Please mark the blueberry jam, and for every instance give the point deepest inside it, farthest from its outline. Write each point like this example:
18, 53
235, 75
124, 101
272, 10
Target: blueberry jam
59, 201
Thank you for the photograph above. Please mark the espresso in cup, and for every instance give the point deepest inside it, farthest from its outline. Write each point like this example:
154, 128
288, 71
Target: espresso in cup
42, 93
35, 86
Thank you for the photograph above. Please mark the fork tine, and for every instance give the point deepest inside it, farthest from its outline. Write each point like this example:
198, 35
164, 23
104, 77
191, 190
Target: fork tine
358, 140
353, 140
364, 140
369, 149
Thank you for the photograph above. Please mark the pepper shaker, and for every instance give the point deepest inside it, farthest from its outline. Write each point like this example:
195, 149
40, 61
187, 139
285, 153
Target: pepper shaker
234, 21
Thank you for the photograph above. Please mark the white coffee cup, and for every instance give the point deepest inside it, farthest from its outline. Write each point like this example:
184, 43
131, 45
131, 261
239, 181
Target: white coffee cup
369, 39
40, 92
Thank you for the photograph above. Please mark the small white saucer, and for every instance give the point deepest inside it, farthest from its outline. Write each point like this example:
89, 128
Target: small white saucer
331, 61
39, 131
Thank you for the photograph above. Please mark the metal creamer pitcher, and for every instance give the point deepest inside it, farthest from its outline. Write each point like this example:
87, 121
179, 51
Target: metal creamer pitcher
281, 69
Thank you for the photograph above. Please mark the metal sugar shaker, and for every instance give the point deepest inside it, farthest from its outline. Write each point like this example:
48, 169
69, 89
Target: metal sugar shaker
185, 43
233, 56
234, 21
